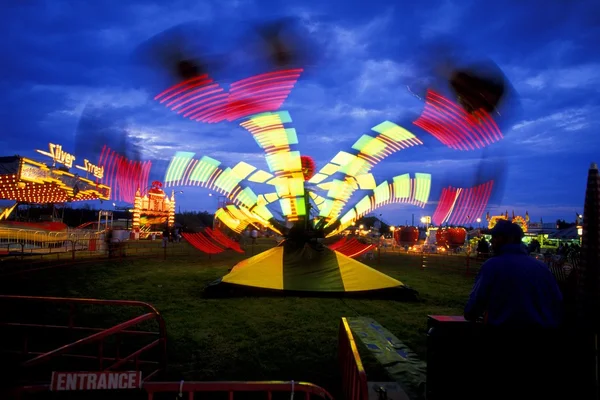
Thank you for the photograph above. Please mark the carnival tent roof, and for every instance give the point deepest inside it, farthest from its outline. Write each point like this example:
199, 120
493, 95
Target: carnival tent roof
306, 272
565, 234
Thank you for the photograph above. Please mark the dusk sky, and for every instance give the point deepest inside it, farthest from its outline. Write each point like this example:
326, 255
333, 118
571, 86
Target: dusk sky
61, 58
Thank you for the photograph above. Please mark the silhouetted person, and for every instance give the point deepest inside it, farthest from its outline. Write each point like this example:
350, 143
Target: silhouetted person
534, 246
483, 248
521, 305
165, 237
109, 242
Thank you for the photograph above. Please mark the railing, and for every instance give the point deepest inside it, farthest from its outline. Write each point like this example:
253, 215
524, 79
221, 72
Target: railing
109, 343
43, 239
18, 259
354, 377
189, 388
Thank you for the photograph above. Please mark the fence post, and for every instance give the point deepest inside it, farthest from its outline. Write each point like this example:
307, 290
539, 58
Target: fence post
72, 250
468, 263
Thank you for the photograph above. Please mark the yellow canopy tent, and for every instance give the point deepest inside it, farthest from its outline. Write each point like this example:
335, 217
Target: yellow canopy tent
305, 271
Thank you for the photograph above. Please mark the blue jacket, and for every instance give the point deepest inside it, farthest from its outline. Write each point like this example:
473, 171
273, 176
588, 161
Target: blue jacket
515, 290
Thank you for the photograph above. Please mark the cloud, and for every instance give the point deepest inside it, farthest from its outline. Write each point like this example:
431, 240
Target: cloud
443, 19
379, 73
574, 77
572, 119
343, 41
79, 97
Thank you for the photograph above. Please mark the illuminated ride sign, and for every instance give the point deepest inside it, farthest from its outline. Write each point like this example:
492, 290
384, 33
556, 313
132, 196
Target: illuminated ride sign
95, 170
60, 156
27, 181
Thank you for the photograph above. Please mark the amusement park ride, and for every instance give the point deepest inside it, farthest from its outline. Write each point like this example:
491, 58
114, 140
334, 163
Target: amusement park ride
313, 204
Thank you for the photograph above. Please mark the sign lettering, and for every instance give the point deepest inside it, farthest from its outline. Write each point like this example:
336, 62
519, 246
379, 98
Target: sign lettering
34, 173
95, 170
101, 380
59, 155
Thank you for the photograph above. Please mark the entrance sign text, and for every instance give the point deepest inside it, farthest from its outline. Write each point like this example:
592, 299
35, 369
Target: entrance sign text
101, 380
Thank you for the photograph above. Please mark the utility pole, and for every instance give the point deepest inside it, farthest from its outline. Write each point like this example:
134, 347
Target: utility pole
413, 220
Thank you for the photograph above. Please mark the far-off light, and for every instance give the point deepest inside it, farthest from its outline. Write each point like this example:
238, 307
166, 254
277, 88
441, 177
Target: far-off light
478, 220
423, 220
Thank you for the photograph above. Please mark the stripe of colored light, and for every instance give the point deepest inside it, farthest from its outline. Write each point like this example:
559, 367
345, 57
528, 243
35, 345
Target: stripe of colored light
201, 99
454, 127
177, 166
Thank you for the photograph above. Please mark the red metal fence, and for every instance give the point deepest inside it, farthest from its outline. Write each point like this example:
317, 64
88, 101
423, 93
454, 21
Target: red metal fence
87, 348
93, 350
270, 387
354, 377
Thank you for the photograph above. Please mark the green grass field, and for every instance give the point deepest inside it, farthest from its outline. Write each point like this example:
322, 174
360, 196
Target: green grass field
256, 338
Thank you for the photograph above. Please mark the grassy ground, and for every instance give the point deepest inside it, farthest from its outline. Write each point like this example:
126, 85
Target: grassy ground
256, 338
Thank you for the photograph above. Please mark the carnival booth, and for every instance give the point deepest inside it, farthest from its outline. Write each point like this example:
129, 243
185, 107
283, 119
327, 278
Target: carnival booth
152, 212
30, 182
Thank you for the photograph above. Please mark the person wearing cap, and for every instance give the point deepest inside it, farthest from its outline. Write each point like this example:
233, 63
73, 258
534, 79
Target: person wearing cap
513, 289
521, 305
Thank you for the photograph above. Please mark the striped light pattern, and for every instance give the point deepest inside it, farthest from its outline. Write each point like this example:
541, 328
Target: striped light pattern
369, 150
459, 206
454, 127
403, 189
185, 170
237, 218
202, 99
124, 176
270, 133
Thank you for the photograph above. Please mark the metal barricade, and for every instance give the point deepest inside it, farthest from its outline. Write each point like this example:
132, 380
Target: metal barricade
354, 377
107, 342
190, 388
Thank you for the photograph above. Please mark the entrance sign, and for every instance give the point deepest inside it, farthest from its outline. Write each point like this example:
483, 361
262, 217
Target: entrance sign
95, 170
59, 155
98, 380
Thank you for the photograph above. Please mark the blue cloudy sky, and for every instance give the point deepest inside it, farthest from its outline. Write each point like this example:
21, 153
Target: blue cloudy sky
61, 58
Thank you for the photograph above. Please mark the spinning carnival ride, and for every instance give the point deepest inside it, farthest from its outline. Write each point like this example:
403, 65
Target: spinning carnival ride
316, 205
